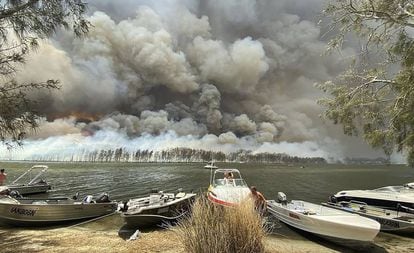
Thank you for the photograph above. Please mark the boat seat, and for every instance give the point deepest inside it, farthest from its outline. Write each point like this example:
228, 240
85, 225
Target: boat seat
155, 198
180, 195
309, 212
39, 202
405, 218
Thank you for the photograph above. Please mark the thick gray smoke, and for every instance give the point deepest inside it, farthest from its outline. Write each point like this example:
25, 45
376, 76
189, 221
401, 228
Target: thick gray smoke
219, 75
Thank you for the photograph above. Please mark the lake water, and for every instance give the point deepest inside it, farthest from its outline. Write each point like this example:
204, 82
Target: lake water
314, 183
124, 180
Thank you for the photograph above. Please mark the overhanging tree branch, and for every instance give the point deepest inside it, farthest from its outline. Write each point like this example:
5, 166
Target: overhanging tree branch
376, 94
7, 13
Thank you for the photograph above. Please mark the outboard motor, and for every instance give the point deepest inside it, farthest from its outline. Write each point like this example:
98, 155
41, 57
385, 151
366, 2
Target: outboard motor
103, 198
332, 199
124, 206
76, 196
281, 198
409, 185
87, 199
15, 194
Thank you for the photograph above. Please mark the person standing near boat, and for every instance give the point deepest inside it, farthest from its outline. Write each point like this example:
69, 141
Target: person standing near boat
3, 177
259, 200
228, 178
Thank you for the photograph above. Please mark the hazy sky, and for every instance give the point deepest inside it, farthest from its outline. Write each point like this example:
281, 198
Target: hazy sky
220, 75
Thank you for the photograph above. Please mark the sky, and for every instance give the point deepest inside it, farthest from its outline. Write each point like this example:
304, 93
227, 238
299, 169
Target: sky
210, 74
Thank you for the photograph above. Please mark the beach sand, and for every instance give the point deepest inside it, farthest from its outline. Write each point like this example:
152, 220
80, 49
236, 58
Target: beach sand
108, 235
87, 240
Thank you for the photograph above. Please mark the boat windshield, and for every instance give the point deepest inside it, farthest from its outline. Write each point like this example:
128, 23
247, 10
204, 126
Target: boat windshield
391, 189
231, 182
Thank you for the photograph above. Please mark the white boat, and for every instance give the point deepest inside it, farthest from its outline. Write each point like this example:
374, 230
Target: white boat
211, 166
48, 211
28, 184
389, 197
227, 192
390, 220
330, 223
156, 209
398, 188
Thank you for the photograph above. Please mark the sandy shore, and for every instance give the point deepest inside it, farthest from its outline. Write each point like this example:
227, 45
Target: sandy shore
106, 236
87, 240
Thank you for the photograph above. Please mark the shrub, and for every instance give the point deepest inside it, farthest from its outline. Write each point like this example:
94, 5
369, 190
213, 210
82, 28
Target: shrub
212, 228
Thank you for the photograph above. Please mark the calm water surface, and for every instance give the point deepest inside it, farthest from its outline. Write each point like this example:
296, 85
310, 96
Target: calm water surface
124, 180
314, 183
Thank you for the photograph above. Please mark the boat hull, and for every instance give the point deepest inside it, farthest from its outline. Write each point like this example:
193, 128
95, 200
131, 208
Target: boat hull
208, 167
150, 220
29, 189
336, 227
388, 224
214, 199
383, 203
160, 214
49, 214
227, 195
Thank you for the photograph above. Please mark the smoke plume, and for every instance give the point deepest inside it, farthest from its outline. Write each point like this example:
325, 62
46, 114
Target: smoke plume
218, 75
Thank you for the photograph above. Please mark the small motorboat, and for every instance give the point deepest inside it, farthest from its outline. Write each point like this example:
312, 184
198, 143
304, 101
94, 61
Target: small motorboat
211, 166
401, 220
35, 212
156, 209
27, 184
389, 197
227, 191
330, 223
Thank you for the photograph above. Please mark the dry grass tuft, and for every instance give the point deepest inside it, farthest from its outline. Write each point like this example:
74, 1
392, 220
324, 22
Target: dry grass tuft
213, 228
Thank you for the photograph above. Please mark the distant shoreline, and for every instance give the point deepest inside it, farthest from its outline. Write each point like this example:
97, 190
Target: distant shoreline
200, 162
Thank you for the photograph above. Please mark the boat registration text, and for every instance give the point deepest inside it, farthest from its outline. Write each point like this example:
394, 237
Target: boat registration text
23, 211
294, 216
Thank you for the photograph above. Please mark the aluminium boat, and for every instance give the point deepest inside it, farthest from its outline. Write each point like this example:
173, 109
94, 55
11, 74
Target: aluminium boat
227, 191
335, 225
156, 209
401, 220
36, 212
27, 184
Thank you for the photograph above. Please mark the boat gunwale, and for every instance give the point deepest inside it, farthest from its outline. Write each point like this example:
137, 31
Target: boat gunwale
160, 204
285, 219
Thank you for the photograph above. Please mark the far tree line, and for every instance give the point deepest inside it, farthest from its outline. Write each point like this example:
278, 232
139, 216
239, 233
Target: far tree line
179, 155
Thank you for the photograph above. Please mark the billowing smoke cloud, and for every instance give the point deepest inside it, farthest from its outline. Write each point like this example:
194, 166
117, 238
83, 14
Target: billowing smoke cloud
220, 75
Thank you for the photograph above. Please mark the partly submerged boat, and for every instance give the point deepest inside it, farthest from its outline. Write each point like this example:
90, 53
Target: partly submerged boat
391, 221
156, 209
210, 165
28, 184
48, 211
227, 191
389, 197
330, 223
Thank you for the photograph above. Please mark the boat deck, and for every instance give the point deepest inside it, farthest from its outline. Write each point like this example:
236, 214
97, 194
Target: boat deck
390, 220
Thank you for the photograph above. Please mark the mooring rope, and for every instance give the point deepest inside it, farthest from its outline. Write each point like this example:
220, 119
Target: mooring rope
88, 221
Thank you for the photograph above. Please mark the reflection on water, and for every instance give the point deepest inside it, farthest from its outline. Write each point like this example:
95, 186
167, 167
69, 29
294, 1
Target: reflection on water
125, 180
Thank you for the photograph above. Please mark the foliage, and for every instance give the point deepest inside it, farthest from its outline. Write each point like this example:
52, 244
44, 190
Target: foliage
22, 24
375, 95
175, 155
213, 228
